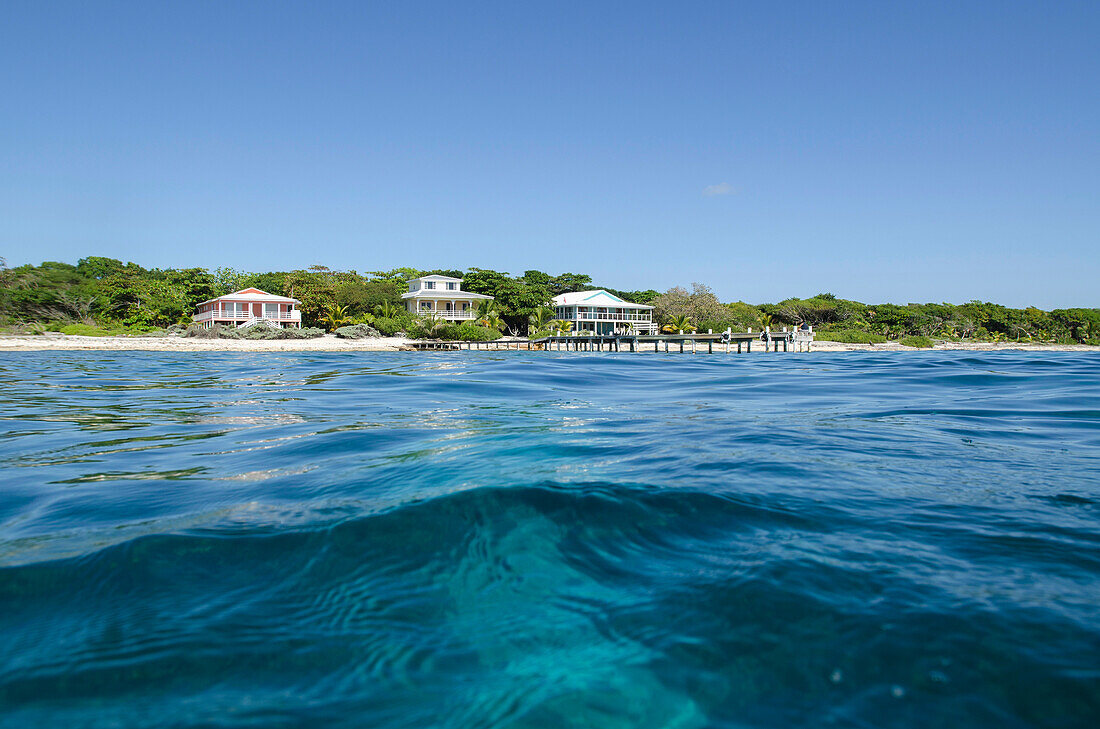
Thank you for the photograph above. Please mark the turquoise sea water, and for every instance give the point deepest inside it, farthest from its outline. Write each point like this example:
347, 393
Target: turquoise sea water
549, 540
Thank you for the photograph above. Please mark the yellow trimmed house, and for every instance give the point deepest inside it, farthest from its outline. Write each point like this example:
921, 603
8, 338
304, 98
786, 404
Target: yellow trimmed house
442, 297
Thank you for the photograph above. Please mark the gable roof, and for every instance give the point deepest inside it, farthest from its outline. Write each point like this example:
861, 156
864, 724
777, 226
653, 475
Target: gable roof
254, 294
434, 277
598, 297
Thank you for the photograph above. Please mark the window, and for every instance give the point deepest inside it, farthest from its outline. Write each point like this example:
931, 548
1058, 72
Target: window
429, 284
452, 286
425, 306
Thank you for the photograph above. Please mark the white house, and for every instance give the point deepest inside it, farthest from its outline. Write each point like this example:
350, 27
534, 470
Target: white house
601, 312
248, 307
441, 296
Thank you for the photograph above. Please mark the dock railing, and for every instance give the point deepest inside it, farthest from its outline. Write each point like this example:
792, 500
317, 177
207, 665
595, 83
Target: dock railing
727, 341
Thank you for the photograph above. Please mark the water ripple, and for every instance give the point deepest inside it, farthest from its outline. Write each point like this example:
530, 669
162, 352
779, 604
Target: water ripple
483, 539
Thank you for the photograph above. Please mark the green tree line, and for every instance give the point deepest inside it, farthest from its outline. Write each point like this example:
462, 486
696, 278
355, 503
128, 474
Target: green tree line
105, 292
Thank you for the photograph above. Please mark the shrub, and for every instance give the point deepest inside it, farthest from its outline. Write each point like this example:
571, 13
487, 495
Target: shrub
850, 336
259, 332
920, 342
215, 332
464, 332
33, 327
427, 328
389, 326
85, 330
357, 331
468, 332
252, 333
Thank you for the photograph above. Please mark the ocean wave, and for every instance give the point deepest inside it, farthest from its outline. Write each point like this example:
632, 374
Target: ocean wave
532, 540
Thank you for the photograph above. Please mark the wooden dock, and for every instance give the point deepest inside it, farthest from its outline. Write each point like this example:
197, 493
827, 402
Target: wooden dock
726, 342
452, 345
668, 343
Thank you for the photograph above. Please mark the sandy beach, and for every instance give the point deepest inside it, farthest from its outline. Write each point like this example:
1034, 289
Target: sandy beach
327, 343
331, 343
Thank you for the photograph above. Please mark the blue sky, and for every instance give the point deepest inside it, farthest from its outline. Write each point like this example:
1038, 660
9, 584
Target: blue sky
881, 151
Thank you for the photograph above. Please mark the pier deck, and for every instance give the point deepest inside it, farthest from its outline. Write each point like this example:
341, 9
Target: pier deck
680, 343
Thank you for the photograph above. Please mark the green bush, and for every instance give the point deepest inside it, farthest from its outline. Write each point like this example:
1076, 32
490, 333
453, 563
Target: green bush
252, 333
464, 332
33, 327
920, 342
215, 332
258, 332
850, 336
468, 332
357, 331
261, 332
390, 326
86, 330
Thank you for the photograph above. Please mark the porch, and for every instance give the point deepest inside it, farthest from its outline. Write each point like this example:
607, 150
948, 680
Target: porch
272, 314
456, 310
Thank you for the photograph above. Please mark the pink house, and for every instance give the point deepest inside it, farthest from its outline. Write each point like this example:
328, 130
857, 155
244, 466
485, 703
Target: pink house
247, 307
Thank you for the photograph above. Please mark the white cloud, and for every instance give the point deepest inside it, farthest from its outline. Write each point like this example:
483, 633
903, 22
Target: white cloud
722, 188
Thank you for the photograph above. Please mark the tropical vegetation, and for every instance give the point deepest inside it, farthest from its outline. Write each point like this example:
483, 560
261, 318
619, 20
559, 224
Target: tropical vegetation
99, 295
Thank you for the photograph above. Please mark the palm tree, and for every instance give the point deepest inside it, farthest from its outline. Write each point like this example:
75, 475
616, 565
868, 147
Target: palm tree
559, 325
484, 307
679, 323
765, 320
386, 310
539, 319
493, 321
432, 325
488, 314
335, 317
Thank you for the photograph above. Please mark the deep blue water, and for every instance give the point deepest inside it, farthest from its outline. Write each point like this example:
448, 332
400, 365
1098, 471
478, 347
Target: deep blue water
544, 540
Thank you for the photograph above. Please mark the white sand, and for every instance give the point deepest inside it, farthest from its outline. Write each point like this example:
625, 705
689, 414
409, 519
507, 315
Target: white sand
327, 343
330, 343
968, 346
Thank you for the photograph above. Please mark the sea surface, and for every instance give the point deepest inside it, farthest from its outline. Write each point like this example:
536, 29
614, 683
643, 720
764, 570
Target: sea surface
478, 539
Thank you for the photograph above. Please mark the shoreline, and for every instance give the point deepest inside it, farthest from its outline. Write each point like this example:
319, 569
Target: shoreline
331, 343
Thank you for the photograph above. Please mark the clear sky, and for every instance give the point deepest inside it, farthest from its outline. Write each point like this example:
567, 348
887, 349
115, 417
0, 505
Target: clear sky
881, 151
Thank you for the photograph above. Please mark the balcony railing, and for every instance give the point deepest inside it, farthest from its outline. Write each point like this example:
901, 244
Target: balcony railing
238, 314
608, 316
449, 313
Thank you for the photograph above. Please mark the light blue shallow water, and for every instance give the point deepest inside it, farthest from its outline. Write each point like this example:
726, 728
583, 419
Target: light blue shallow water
545, 540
